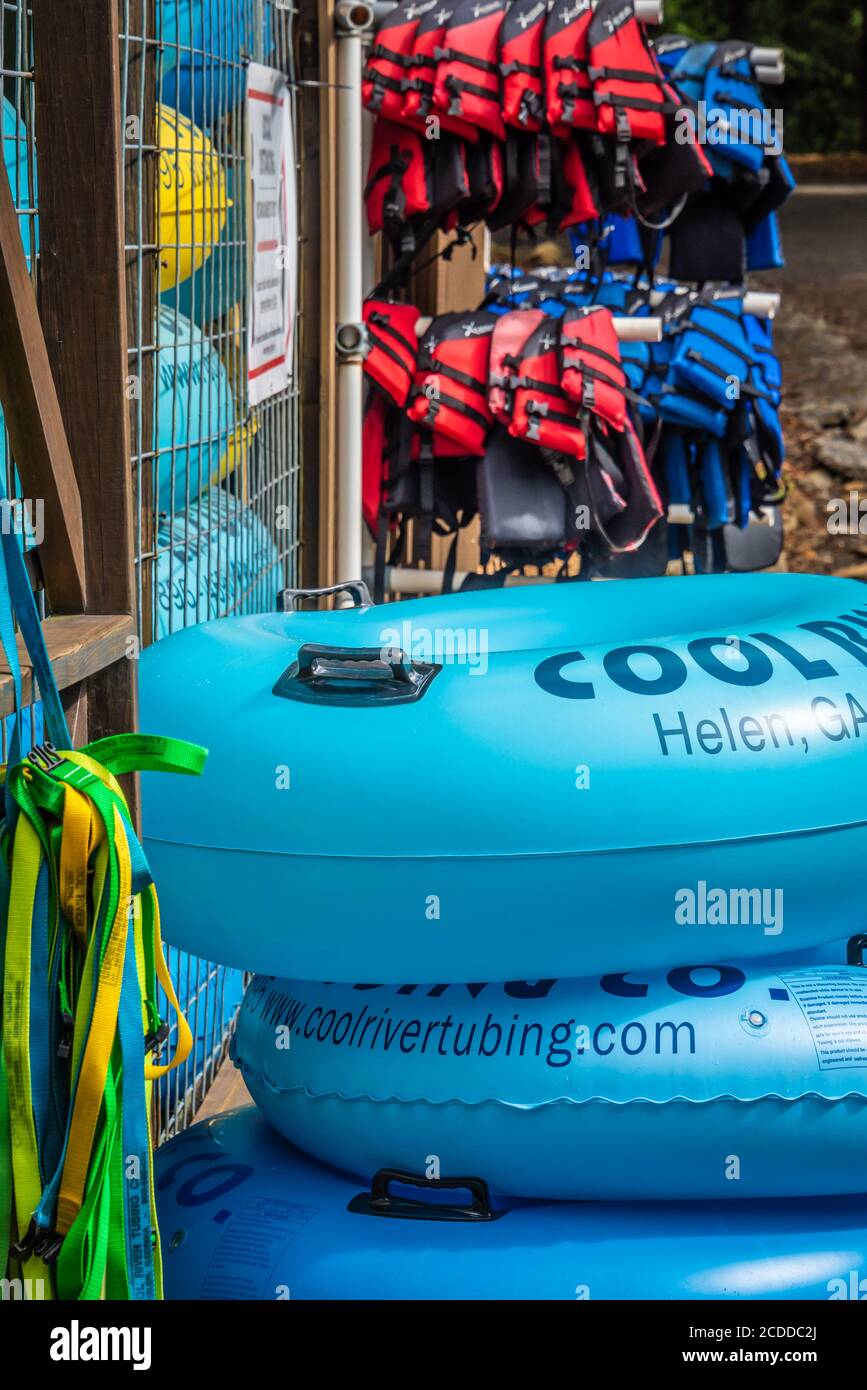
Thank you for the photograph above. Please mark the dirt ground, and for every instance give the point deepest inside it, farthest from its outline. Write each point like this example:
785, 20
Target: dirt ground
821, 336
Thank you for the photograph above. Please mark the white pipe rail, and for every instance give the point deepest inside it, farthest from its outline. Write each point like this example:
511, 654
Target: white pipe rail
353, 20
628, 329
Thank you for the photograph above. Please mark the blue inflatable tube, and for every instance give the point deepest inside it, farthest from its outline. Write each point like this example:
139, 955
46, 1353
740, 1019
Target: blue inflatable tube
563, 780
244, 1216
699, 1082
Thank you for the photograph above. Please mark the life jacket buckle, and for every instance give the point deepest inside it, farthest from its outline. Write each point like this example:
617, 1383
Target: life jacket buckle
23, 1247
47, 1248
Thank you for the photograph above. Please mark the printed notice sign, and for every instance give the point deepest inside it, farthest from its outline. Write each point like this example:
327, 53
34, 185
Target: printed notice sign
273, 226
834, 1003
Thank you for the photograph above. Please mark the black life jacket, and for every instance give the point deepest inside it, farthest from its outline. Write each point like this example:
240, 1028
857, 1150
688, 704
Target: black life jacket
449, 396
392, 347
671, 171
708, 241
468, 83
624, 500
522, 505
592, 371
521, 64
419, 103
508, 341
527, 192
485, 176
628, 84
541, 410
390, 59
568, 89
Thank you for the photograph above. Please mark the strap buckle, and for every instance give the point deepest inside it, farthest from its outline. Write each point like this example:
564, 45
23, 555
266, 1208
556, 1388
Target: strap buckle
44, 756
155, 1041
64, 1047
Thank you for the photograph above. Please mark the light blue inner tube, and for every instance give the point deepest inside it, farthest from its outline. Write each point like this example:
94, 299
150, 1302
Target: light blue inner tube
245, 1216
611, 777
208, 43
698, 1082
216, 557
194, 411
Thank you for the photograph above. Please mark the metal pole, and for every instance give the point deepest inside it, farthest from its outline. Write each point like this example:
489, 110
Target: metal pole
352, 22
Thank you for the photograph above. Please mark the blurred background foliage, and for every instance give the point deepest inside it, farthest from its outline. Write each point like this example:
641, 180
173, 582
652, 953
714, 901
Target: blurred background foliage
825, 96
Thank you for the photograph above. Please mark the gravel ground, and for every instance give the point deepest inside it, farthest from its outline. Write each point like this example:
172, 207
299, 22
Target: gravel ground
821, 336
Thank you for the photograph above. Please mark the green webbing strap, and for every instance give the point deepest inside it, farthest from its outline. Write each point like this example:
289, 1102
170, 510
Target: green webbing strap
105, 1226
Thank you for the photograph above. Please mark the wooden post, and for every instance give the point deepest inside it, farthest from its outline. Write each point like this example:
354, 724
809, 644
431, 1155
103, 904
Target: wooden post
34, 420
140, 193
83, 302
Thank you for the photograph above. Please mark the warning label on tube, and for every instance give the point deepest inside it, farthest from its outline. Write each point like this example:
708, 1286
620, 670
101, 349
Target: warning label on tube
834, 1004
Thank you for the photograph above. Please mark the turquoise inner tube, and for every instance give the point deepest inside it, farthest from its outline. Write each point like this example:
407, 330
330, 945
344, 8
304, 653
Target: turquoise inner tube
245, 1216
194, 411
216, 557
717, 1081
563, 780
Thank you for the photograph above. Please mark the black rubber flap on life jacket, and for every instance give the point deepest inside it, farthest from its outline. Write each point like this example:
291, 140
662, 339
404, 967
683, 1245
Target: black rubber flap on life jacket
707, 242
740, 549
522, 506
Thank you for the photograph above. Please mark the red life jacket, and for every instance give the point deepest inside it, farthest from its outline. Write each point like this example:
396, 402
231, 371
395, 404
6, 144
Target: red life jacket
393, 347
541, 410
418, 106
628, 85
374, 447
451, 385
591, 363
383, 82
508, 341
467, 84
568, 89
397, 188
521, 64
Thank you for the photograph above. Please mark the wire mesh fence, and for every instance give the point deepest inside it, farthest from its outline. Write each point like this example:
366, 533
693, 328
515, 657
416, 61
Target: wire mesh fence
215, 483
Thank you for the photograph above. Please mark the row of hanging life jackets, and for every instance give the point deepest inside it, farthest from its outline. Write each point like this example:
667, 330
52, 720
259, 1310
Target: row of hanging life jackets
530, 397
519, 113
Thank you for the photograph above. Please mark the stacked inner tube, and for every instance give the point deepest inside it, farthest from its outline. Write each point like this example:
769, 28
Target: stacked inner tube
513, 1047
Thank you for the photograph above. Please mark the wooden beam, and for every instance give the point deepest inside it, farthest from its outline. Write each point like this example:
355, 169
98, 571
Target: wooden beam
33, 418
83, 302
78, 647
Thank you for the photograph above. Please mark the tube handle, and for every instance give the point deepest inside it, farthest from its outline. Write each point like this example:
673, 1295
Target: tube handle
360, 676
288, 600
381, 1201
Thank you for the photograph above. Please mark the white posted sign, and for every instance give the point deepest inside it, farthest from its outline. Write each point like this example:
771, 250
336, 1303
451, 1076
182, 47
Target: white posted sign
273, 223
